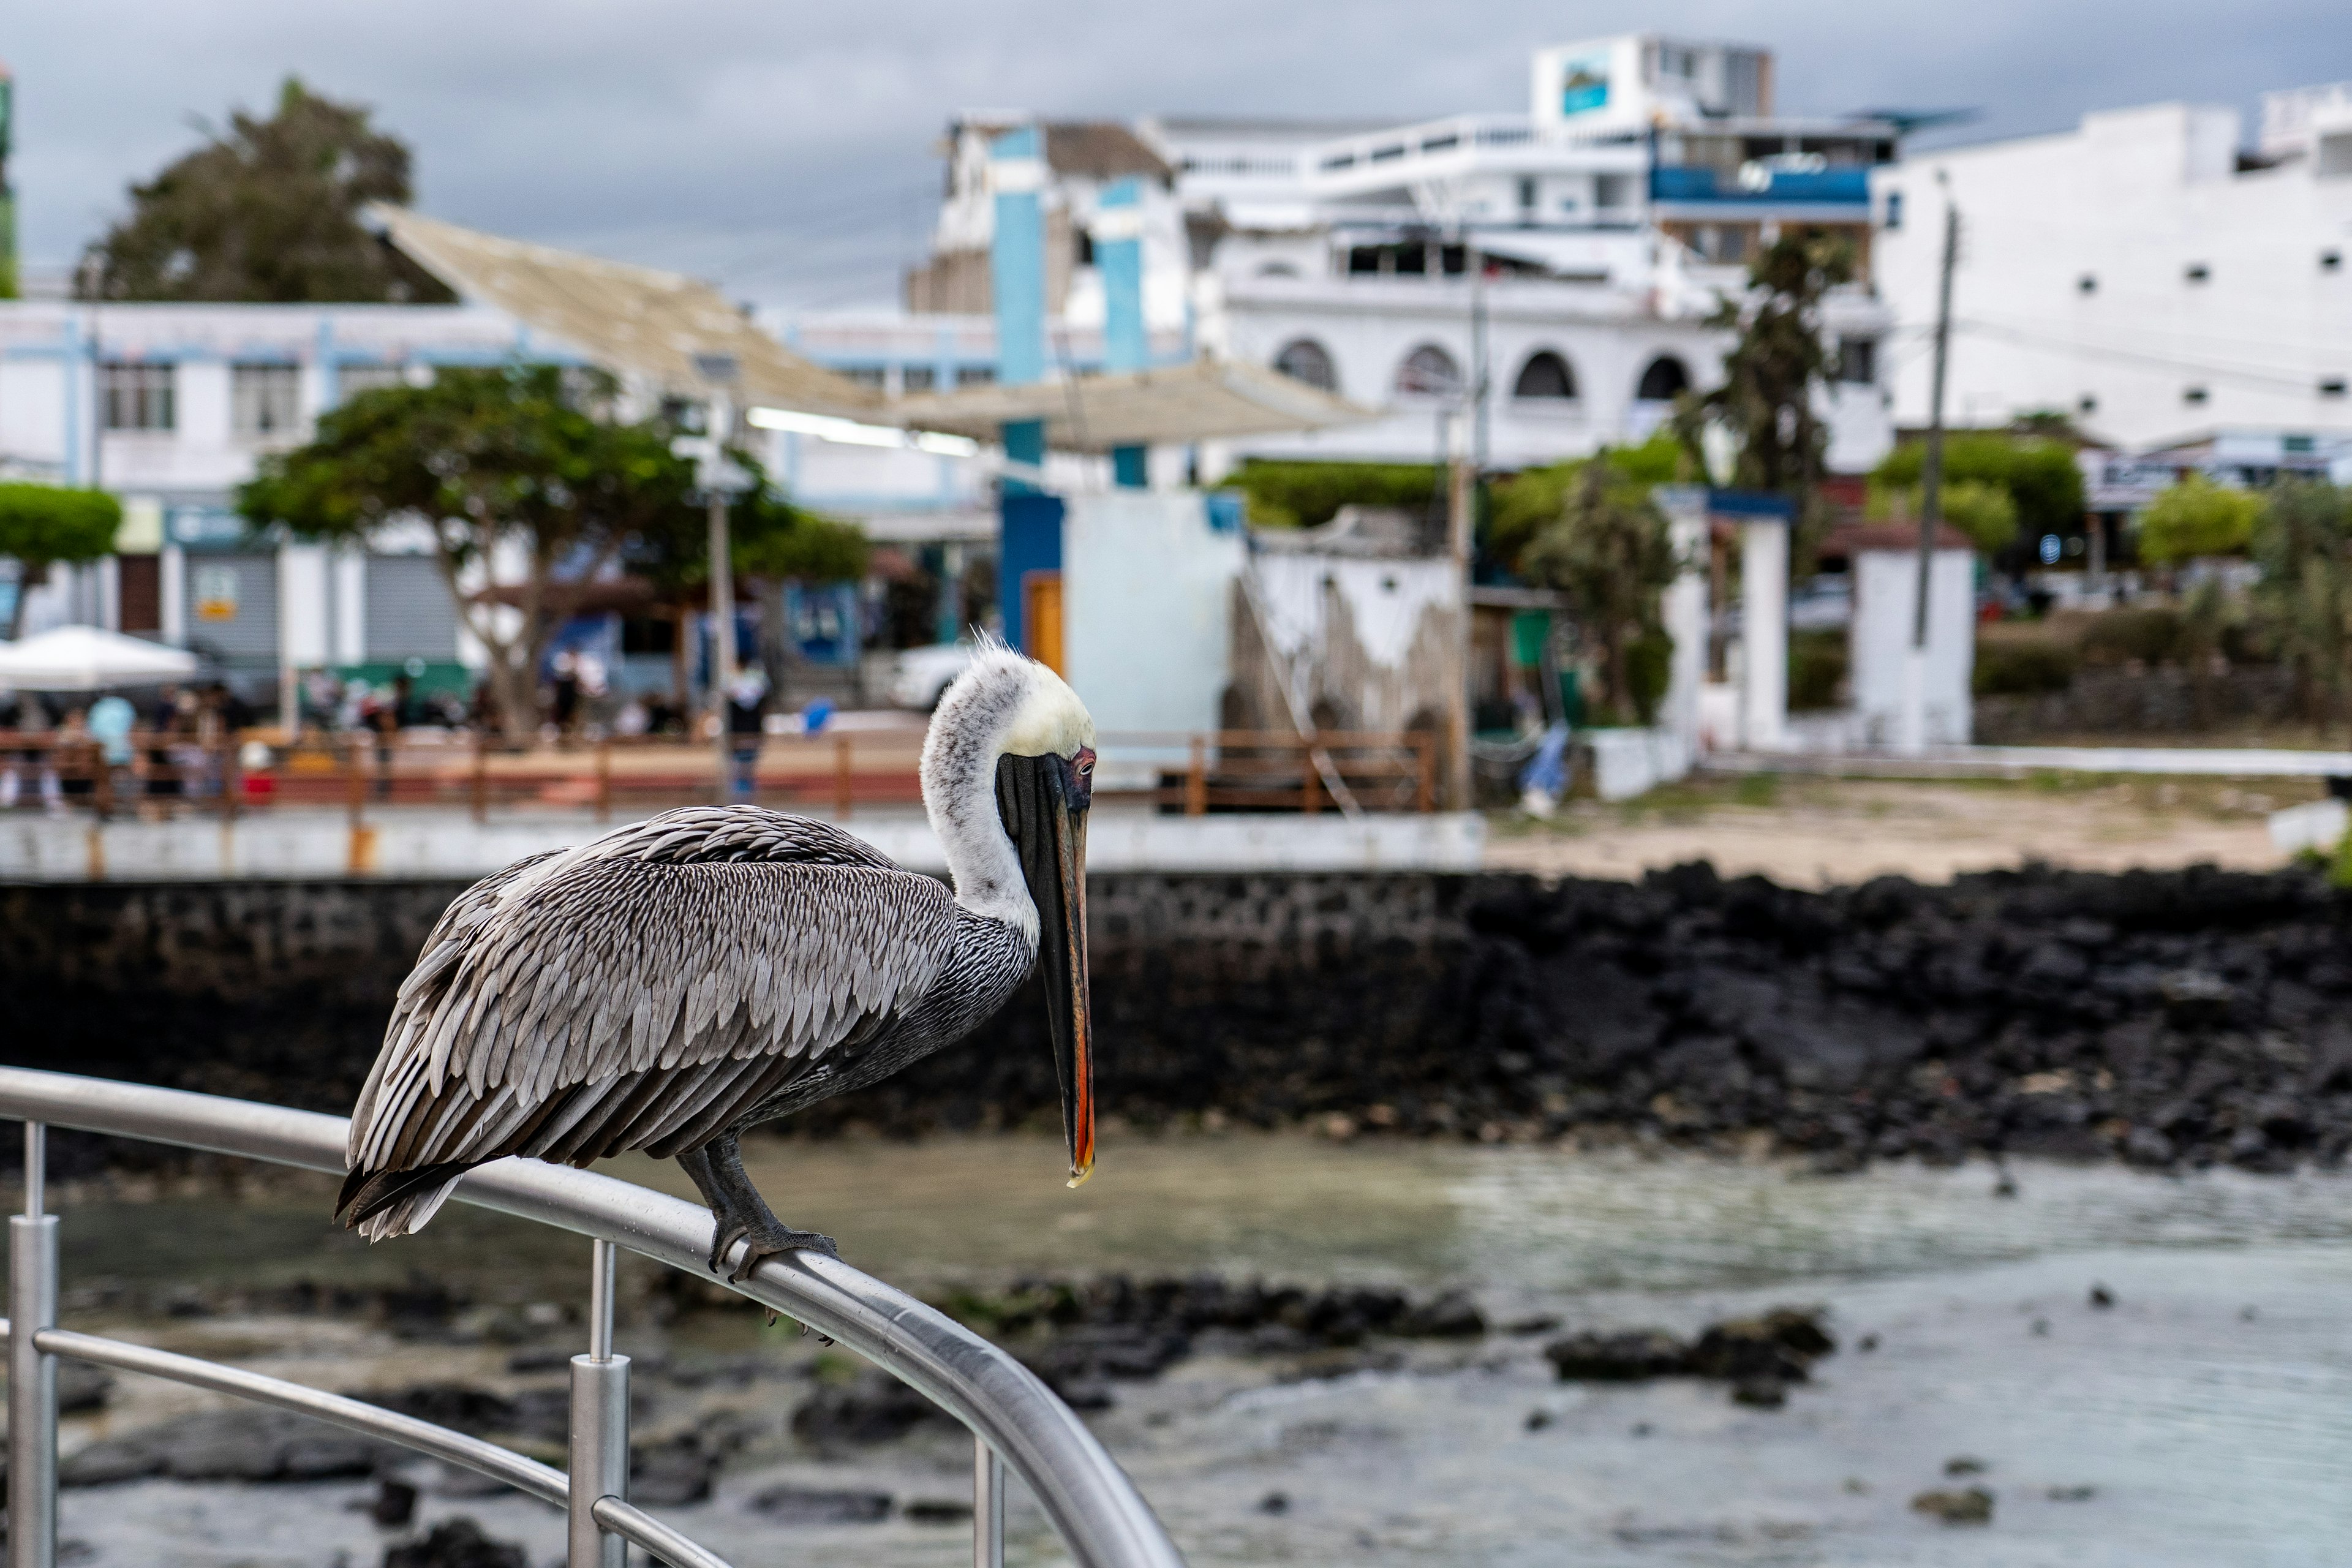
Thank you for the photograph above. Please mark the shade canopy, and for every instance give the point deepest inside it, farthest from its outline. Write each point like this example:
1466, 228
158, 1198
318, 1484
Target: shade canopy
661, 327
85, 658
1207, 400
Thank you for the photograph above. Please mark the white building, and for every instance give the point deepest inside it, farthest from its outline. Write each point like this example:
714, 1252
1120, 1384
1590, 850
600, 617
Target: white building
2146, 273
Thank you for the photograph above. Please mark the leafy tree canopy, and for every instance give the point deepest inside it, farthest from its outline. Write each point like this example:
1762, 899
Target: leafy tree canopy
1610, 552
1766, 401
1986, 513
1307, 494
43, 525
1532, 499
2038, 473
2197, 517
2302, 542
268, 212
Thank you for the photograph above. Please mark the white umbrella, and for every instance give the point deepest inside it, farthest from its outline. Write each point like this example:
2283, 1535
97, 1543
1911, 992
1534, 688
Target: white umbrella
85, 658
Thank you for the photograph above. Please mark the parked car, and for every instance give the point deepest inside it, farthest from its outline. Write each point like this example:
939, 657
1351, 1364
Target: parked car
919, 677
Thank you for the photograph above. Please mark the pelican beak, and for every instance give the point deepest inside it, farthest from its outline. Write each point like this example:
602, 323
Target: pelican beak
1044, 800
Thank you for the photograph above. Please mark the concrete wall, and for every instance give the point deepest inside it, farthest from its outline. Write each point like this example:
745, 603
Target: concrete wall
1886, 593
1146, 606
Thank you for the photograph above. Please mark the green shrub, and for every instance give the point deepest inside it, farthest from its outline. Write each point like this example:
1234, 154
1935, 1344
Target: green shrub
2197, 517
1649, 665
2039, 475
2023, 667
1306, 495
1817, 668
1984, 511
2154, 636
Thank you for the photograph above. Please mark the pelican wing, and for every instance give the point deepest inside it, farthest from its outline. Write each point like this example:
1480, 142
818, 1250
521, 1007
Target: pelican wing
644, 992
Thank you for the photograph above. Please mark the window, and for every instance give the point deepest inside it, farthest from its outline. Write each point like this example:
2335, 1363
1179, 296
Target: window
350, 380
862, 374
975, 374
2086, 284
2331, 262
919, 377
1277, 269
2197, 272
1666, 379
1857, 361
1894, 209
137, 397
1546, 374
1528, 193
265, 401
1304, 359
1612, 191
2332, 386
1428, 372
2193, 395
2087, 404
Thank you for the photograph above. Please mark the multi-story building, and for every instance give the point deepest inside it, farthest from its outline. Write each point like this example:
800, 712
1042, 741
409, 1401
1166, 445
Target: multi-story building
2146, 273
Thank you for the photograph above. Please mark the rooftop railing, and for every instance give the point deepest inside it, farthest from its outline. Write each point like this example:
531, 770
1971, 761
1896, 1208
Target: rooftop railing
1016, 1420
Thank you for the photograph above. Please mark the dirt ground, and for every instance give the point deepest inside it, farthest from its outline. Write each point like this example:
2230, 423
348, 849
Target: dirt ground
1821, 832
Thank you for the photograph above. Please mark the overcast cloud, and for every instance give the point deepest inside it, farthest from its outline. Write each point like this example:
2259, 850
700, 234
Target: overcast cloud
788, 151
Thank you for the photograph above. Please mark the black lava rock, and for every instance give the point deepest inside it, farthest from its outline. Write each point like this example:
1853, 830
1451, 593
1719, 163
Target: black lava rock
820, 1505
456, 1543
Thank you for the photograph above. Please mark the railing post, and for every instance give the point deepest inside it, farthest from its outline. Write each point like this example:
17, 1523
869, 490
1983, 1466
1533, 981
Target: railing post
481, 782
1424, 754
232, 777
32, 1376
1196, 778
1311, 786
842, 778
600, 1424
354, 780
604, 778
987, 1505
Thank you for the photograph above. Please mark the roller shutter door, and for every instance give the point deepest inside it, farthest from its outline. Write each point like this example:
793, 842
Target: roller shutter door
409, 614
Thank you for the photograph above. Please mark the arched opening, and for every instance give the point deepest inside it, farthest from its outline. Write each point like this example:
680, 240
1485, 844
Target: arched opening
1428, 372
1304, 359
1665, 380
1546, 374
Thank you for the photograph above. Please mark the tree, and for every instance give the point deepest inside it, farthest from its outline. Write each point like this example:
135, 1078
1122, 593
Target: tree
2039, 473
2197, 517
41, 525
268, 212
1986, 513
1610, 552
1533, 497
2303, 542
514, 464
1766, 401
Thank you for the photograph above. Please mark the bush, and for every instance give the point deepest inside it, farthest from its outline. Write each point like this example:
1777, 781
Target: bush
2022, 668
1306, 495
1817, 668
1532, 499
1648, 667
2198, 517
1983, 511
2039, 475
2153, 636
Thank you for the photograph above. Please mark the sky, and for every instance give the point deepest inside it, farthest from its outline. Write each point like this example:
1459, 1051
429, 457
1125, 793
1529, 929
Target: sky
790, 152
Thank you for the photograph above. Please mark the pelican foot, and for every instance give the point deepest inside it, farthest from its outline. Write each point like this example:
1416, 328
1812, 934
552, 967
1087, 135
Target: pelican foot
763, 1242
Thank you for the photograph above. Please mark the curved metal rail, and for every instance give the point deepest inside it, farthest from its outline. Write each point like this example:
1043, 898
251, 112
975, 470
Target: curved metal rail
1089, 1501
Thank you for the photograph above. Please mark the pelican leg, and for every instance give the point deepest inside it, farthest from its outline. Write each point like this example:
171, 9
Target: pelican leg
740, 1213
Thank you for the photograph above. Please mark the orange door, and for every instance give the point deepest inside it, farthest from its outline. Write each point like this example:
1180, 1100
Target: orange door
1041, 618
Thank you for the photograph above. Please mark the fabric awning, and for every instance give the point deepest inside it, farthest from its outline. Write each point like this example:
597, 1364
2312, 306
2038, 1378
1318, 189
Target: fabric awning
1207, 400
631, 320
87, 659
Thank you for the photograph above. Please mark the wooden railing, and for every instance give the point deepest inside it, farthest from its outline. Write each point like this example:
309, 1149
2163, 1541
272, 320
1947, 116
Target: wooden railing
839, 773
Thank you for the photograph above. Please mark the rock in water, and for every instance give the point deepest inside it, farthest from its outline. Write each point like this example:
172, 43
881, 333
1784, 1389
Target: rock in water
1629, 1356
818, 1505
456, 1543
1973, 1506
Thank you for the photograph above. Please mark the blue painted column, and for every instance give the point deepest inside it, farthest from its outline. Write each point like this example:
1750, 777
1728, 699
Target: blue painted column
1029, 536
1126, 344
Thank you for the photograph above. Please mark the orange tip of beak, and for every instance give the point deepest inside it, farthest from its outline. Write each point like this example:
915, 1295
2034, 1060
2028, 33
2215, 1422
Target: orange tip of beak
1079, 1178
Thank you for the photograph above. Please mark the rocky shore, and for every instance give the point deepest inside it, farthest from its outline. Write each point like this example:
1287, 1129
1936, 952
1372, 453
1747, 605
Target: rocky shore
2182, 1018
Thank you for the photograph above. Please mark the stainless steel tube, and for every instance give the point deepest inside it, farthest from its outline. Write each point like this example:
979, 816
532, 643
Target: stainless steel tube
32, 1374
600, 1457
601, 1272
987, 1505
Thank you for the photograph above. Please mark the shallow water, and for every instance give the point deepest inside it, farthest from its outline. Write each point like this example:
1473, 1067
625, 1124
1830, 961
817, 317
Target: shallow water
2209, 1432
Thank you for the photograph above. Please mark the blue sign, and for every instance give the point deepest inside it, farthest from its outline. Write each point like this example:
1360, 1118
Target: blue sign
1584, 84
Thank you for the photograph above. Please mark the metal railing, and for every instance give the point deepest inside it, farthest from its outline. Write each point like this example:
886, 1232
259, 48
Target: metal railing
1014, 1419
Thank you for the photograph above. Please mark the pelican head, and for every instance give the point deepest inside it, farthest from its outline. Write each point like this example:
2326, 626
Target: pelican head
1008, 775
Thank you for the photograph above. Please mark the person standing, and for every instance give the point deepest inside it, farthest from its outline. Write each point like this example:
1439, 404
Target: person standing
747, 706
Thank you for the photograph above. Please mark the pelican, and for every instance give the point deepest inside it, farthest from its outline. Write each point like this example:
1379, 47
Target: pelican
675, 982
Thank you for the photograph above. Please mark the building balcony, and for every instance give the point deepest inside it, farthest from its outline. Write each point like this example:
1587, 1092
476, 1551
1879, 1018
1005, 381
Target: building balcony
1795, 182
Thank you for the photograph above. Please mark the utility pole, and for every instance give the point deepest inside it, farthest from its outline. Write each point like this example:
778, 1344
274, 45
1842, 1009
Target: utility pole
1459, 493
1913, 737
718, 370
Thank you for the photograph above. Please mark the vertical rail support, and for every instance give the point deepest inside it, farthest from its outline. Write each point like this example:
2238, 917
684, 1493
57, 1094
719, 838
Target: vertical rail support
1311, 788
355, 781
32, 1376
604, 778
987, 1505
232, 776
481, 781
842, 778
1425, 752
599, 1426
102, 789
1196, 778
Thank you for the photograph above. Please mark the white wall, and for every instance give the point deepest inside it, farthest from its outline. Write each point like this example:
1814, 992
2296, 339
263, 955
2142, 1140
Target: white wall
1146, 597
2130, 200
1885, 594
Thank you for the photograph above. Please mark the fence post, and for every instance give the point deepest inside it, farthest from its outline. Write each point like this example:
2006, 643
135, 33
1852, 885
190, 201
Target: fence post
1311, 786
354, 780
600, 1424
232, 777
987, 1505
842, 778
32, 1376
1425, 752
1196, 778
604, 778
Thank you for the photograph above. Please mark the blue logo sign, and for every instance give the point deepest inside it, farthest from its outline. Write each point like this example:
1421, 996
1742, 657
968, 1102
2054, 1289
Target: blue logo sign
1584, 86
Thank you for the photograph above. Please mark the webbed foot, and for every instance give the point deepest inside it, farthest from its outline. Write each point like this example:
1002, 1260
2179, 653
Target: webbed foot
763, 1240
